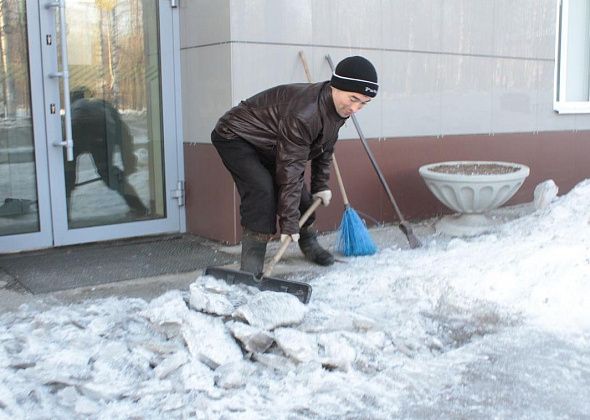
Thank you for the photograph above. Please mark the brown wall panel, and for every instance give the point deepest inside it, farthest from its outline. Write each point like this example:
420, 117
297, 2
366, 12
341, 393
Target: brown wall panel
211, 199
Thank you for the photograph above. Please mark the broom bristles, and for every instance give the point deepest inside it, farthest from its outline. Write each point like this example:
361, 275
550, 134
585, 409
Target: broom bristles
354, 238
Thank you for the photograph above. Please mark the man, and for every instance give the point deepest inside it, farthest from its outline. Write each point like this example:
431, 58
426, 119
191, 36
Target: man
266, 141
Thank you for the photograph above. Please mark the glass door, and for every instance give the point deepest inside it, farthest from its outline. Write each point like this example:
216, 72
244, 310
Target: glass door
24, 188
107, 114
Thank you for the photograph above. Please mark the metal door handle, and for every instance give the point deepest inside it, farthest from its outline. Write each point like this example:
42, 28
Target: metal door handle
68, 142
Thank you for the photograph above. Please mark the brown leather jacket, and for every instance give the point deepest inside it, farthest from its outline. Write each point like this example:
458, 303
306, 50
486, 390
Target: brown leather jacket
293, 123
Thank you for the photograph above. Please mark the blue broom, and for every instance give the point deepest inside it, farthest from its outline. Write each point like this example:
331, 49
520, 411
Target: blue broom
353, 237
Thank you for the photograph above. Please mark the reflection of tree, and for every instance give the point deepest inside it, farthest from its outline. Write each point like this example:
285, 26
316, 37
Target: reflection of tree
132, 67
122, 52
13, 50
106, 30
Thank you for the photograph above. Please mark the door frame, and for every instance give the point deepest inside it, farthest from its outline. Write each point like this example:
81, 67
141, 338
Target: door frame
49, 163
44, 237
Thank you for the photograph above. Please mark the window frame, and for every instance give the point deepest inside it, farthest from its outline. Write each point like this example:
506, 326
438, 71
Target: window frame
560, 104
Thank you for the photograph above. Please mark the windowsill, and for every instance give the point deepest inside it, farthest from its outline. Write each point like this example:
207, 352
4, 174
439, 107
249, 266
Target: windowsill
572, 107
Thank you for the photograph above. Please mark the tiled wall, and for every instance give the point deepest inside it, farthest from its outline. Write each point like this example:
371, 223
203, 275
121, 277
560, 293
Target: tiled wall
445, 66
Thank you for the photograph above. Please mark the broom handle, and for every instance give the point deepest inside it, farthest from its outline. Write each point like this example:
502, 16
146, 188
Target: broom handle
340, 183
271, 265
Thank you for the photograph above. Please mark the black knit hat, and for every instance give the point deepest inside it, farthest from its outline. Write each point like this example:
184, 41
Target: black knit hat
356, 74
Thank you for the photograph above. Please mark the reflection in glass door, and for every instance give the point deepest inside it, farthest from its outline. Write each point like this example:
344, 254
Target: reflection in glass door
116, 174
18, 191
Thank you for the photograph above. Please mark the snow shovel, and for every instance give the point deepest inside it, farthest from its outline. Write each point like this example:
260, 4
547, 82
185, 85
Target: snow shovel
299, 289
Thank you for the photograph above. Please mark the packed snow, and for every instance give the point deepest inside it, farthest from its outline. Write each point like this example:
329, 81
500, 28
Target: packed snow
494, 326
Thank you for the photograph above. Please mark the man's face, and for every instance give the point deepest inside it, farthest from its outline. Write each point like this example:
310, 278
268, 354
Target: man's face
347, 103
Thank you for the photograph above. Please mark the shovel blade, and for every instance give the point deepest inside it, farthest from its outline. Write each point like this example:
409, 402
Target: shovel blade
300, 290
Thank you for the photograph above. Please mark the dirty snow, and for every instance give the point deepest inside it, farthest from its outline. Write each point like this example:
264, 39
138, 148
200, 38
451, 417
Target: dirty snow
496, 326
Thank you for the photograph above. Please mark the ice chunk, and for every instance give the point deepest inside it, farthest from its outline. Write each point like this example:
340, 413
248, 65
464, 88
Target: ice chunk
297, 345
101, 325
170, 364
209, 341
337, 352
4, 358
160, 347
545, 192
152, 387
86, 406
196, 376
68, 366
233, 375
8, 403
106, 390
68, 396
274, 361
253, 339
210, 298
167, 311
269, 310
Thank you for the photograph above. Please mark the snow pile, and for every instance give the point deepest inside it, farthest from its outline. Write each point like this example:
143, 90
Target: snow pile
492, 326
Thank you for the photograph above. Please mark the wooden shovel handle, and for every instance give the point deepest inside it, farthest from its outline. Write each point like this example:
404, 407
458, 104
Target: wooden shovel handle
305, 66
271, 265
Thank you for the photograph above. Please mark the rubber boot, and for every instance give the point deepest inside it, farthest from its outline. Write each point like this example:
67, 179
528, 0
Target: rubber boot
311, 248
253, 251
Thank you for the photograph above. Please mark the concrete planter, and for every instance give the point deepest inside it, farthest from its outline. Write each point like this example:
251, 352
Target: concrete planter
472, 188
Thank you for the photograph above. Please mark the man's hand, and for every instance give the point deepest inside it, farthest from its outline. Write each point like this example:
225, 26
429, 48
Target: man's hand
294, 237
325, 196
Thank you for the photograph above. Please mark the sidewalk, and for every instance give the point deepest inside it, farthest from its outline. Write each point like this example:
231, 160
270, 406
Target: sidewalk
292, 265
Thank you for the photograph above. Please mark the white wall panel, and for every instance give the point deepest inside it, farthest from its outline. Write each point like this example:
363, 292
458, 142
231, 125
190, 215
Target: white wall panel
347, 23
277, 21
411, 100
546, 42
204, 22
467, 26
206, 92
466, 94
518, 28
514, 92
412, 25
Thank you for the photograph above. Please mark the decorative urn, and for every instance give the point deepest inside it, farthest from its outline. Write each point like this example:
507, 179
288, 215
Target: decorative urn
472, 189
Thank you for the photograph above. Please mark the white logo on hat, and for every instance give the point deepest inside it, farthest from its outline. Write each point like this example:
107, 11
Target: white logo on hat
368, 89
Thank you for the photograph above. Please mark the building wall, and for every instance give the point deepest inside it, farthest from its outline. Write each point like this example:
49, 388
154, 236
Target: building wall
459, 79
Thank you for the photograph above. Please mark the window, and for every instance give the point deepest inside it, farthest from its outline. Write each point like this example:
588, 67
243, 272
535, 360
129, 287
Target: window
572, 58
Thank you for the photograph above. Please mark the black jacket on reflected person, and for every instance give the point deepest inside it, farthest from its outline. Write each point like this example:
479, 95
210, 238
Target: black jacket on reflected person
293, 124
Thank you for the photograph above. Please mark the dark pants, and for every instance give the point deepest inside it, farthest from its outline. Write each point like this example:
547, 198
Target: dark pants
254, 175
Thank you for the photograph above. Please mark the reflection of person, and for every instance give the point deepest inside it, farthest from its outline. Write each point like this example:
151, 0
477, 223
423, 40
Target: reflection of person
266, 141
97, 129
